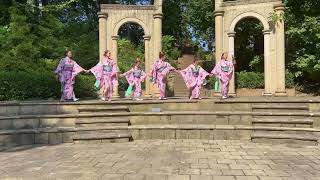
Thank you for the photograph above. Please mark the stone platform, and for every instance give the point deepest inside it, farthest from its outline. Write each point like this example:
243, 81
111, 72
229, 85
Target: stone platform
162, 160
276, 120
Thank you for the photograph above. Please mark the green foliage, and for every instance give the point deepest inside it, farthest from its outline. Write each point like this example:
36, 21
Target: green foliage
255, 80
173, 53
17, 50
84, 86
40, 85
127, 54
290, 80
251, 80
249, 45
257, 64
26, 85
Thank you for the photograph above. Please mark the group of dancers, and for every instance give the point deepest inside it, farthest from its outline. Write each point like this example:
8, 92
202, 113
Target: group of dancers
106, 73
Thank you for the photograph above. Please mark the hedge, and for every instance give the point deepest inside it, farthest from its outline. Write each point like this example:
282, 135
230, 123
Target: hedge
40, 85
255, 80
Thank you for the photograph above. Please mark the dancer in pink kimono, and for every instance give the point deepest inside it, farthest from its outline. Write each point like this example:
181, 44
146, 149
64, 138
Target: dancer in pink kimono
67, 70
135, 77
224, 70
194, 76
159, 72
106, 75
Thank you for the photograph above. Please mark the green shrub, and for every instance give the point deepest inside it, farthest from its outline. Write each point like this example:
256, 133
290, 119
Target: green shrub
84, 87
255, 80
23, 85
40, 85
290, 80
251, 80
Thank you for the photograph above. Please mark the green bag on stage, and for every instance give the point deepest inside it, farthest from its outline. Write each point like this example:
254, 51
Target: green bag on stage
129, 91
217, 85
97, 84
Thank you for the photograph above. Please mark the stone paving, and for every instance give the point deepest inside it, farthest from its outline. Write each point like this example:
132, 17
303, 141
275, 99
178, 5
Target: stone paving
162, 160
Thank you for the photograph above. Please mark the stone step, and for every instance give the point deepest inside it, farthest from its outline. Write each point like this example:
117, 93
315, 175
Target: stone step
102, 122
99, 128
280, 108
99, 137
283, 122
91, 109
284, 138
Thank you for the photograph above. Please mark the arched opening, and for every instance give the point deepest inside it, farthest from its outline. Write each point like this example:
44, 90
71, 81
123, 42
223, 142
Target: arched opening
130, 47
249, 54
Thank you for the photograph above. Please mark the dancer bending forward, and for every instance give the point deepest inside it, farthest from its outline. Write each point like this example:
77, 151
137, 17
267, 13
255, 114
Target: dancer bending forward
194, 76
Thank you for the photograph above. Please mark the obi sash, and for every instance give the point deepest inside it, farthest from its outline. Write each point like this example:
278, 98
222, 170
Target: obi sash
136, 74
161, 69
107, 68
225, 68
68, 67
195, 71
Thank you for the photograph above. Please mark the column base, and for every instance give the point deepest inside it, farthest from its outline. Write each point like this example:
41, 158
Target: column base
116, 96
217, 94
148, 95
267, 94
281, 93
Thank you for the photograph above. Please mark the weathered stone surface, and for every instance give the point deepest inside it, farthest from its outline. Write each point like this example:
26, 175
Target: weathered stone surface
145, 134
67, 137
246, 120
55, 138
169, 134
161, 159
222, 120
42, 138
6, 124
181, 134
13, 110
25, 123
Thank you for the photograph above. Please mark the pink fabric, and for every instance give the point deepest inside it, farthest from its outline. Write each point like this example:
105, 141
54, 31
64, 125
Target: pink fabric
135, 81
67, 70
224, 77
194, 81
159, 72
107, 78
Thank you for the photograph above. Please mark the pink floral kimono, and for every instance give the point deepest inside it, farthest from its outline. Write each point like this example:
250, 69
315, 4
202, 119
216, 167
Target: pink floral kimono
135, 77
106, 75
159, 72
223, 70
194, 76
67, 70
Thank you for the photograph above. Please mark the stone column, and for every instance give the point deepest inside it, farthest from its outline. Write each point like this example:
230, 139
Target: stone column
157, 47
218, 38
280, 51
148, 91
232, 88
102, 33
157, 33
267, 64
218, 34
114, 54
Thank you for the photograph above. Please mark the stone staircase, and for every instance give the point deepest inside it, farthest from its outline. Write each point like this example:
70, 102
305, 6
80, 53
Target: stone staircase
104, 128
284, 123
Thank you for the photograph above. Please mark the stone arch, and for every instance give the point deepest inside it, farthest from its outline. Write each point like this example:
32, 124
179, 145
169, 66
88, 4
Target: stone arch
255, 15
228, 13
149, 17
131, 20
